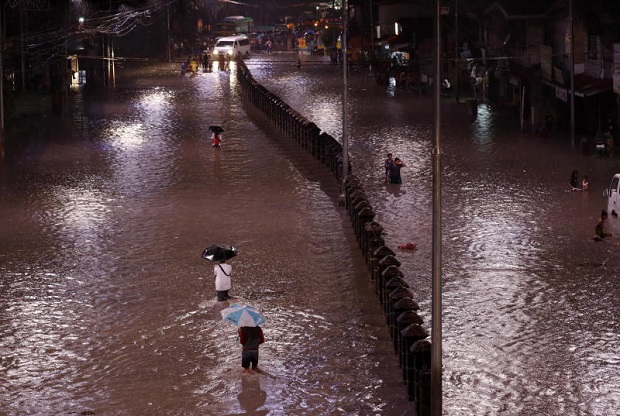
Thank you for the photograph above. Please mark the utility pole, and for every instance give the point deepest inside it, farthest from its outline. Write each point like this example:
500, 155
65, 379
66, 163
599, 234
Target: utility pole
1, 84
456, 50
168, 33
372, 29
436, 359
572, 75
22, 47
345, 139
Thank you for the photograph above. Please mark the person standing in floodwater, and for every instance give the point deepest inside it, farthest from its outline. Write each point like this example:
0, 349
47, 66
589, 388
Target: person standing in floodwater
395, 171
389, 162
250, 337
599, 231
216, 141
574, 180
223, 284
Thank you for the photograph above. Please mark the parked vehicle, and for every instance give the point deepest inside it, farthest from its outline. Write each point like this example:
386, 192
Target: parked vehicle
600, 144
232, 46
234, 25
613, 196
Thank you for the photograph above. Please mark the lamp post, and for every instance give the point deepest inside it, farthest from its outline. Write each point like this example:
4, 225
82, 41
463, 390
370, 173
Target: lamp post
168, 56
345, 139
372, 28
572, 75
1, 85
456, 50
436, 361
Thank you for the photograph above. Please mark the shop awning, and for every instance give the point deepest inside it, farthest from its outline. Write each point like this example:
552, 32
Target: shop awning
586, 86
388, 40
400, 46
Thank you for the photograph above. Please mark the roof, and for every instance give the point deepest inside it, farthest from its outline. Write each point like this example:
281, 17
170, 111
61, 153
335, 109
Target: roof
585, 85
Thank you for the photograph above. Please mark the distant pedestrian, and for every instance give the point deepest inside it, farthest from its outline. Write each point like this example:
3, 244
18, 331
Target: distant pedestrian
585, 183
610, 130
223, 284
574, 180
216, 141
389, 162
250, 337
610, 145
395, 171
193, 66
599, 228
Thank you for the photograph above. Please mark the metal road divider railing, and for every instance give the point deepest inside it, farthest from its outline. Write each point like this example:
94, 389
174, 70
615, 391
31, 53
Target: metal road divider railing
410, 339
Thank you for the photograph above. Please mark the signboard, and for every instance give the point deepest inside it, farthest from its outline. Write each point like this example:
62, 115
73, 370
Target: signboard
301, 43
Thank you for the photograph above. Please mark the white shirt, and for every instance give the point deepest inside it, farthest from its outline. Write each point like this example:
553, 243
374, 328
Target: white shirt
222, 282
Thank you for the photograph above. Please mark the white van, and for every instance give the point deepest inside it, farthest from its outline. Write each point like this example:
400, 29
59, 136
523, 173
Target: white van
232, 46
613, 195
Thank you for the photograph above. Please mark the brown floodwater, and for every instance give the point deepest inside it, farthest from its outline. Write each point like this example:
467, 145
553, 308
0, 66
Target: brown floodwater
106, 306
530, 308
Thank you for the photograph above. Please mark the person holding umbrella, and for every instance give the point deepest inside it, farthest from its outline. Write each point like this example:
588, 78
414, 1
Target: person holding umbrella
216, 141
223, 284
250, 337
248, 320
222, 270
216, 138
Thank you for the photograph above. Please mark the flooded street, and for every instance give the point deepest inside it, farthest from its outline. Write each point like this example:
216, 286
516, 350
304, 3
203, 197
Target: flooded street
530, 303
107, 307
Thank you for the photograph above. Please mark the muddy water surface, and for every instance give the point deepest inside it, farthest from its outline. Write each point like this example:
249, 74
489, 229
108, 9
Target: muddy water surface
105, 303
530, 319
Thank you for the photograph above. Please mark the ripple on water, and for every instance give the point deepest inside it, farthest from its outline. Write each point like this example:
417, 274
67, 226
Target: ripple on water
109, 305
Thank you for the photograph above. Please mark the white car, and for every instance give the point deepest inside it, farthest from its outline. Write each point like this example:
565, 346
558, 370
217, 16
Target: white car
613, 196
232, 46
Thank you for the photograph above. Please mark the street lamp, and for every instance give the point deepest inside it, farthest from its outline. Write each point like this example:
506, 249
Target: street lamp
572, 75
345, 140
436, 350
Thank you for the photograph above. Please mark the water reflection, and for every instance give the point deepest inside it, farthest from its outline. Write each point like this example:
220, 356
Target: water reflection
395, 190
252, 397
524, 286
482, 133
110, 309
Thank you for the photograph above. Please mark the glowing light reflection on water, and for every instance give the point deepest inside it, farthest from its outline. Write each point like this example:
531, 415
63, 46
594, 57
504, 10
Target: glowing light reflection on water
525, 286
109, 307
